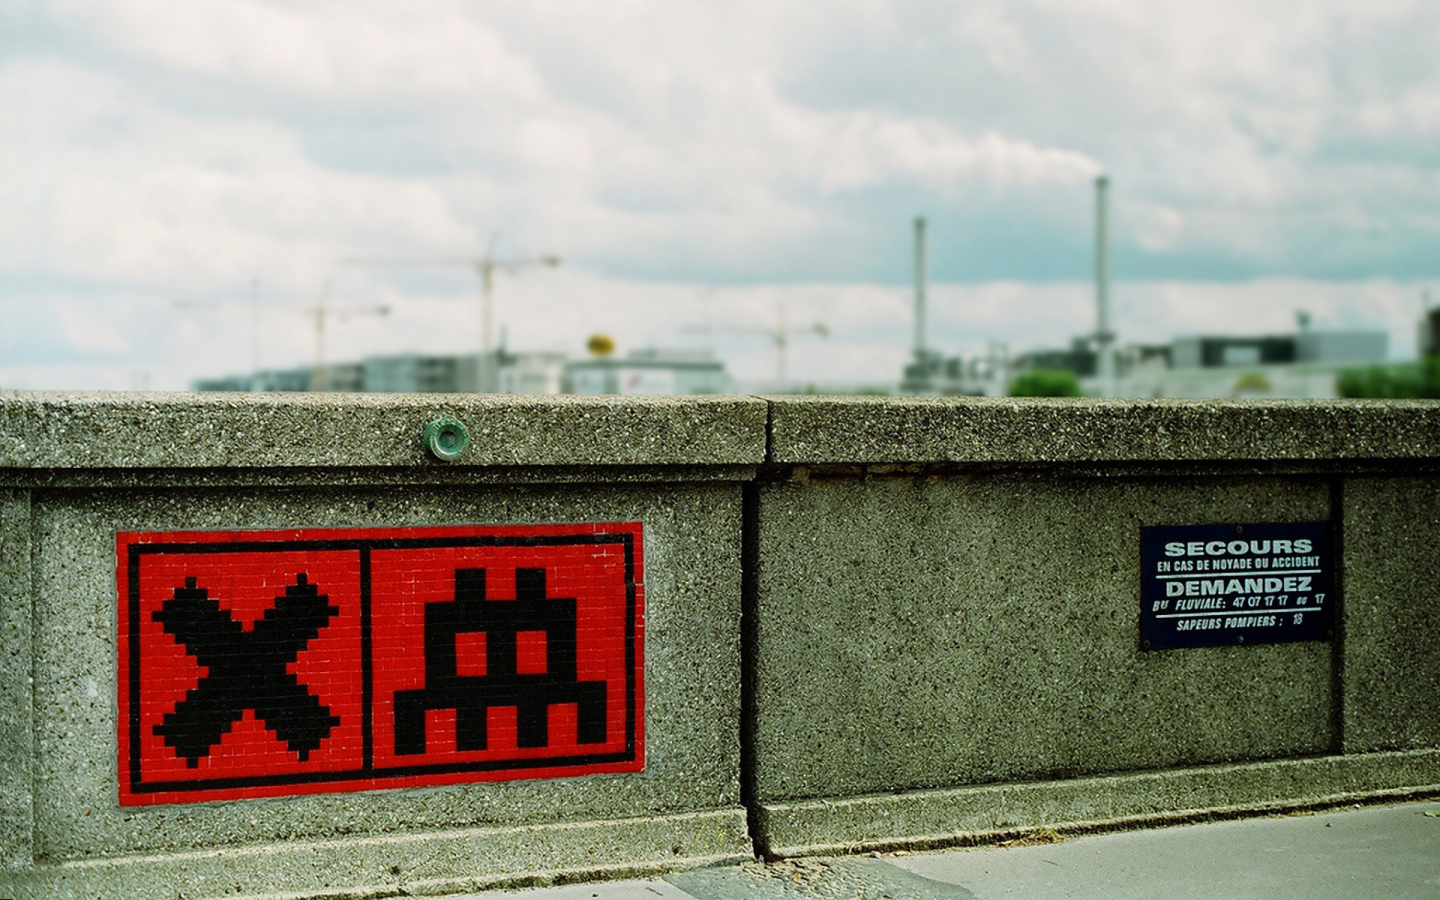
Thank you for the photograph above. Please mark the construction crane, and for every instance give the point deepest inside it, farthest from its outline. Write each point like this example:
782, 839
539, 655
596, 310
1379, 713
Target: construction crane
780, 335
321, 312
485, 266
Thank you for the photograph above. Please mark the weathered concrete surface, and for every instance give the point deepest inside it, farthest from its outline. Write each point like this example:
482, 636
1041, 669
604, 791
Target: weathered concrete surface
17, 736
80, 467
692, 671
399, 865
945, 610
1371, 852
977, 430
966, 815
41, 430
936, 632
1335, 854
820, 879
1390, 677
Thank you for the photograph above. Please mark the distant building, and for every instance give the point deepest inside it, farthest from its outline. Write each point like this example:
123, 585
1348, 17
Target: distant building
1304, 364
288, 380
642, 372
1080, 358
1429, 344
1132, 358
1340, 346
650, 371
405, 373
932, 374
223, 384
1209, 351
532, 373
927, 374
411, 373
1195, 352
344, 377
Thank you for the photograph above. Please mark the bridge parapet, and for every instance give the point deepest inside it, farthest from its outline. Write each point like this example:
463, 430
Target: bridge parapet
819, 624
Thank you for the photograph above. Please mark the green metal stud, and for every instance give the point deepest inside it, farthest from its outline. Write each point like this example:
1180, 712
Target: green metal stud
446, 438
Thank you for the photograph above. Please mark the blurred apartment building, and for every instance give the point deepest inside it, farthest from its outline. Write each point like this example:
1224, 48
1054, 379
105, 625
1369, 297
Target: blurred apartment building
1303, 364
642, 371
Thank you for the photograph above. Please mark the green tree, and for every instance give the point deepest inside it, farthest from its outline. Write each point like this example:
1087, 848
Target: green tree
1415, 381
1045, 383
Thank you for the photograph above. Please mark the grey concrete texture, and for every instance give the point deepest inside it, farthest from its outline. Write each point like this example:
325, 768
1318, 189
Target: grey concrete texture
941, 654
935, 632
822, 879
17, 739
180, 430
1390, 682
978, 430
999, 811
692, 582
411, 864
1340, 855
1372, 851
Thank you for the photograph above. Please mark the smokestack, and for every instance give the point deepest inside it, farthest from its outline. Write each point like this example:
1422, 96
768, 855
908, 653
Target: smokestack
920, 278
1105, 363
1102, 262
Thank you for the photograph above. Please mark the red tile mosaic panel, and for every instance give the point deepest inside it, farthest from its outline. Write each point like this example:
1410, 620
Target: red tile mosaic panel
266, 663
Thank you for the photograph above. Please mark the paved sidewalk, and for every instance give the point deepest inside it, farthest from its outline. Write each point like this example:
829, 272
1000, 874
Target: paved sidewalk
1381, 851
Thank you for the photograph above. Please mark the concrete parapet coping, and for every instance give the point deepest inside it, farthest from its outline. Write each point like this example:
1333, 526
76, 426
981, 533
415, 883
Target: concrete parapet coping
61, 430
44, 430
866, 430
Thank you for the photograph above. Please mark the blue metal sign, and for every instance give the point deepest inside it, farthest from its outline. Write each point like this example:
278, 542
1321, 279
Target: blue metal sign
1216, 585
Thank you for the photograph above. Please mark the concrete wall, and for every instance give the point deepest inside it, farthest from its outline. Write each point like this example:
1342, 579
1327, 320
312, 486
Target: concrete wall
946, 637
976, 629
78, 469
1390, 684
868, 623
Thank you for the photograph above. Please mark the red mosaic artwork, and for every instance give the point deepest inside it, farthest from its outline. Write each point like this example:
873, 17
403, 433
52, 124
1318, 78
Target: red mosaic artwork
265, 663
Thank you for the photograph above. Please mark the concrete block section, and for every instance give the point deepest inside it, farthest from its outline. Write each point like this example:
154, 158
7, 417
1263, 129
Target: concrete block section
976, 430
989, 812
684, 804
184, 431
17, 733
401, 865
1390, 676
936, 632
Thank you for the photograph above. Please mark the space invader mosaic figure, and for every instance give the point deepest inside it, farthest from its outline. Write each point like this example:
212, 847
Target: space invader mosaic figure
472, 696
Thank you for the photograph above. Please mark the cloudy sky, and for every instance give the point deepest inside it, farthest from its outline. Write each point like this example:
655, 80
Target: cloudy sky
723, 165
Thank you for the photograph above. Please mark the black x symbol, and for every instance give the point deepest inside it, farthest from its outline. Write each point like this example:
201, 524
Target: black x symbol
247, 670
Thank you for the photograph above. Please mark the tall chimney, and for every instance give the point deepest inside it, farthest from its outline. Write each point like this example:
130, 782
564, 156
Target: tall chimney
920, 278
1103, 334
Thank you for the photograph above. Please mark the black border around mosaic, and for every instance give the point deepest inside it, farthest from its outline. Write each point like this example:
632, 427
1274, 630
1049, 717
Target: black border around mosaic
364, 546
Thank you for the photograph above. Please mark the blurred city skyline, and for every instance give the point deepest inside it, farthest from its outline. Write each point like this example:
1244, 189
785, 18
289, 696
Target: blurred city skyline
700, 165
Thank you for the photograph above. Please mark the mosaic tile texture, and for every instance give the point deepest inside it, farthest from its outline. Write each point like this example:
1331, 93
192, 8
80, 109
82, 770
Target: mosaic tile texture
265, 663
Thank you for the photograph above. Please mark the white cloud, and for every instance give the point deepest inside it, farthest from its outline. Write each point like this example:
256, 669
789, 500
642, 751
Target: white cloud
862, 150
129, 193
338, 51
158, 151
